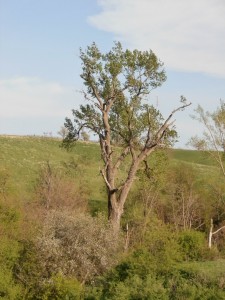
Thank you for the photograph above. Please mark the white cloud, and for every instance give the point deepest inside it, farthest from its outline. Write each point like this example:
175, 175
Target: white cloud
33, 97
186, 35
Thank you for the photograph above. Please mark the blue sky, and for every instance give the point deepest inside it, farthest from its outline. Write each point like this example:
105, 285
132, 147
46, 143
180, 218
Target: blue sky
40, 66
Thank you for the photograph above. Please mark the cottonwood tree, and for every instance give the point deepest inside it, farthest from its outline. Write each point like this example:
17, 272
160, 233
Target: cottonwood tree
117, 85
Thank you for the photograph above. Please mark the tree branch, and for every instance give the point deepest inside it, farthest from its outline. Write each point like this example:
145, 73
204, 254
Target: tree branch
218, 230
121, 158
166, 124
105, 179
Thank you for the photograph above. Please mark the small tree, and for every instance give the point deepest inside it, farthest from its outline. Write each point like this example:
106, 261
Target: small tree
63, 132
85, 136
117, 84
213, 138
76, 245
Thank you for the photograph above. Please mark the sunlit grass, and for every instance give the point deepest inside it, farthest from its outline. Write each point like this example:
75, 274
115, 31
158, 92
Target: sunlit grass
193, 156
23, 157
206, 270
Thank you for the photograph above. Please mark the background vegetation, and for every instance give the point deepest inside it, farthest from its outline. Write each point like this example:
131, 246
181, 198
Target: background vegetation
56, 242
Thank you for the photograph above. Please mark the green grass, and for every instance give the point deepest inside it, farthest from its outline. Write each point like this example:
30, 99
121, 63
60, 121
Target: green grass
206, 270
22, 158
192, 156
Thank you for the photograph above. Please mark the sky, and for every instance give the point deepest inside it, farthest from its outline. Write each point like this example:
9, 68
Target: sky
40, 65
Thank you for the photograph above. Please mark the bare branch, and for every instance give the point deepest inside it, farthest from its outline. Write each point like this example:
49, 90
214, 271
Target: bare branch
102, 172
167, 124
218, 230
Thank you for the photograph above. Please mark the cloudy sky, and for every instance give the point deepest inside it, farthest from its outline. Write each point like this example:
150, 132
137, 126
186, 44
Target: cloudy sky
40, 66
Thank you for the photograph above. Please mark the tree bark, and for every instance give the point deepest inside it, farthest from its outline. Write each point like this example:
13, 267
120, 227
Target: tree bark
115, 212
210, 234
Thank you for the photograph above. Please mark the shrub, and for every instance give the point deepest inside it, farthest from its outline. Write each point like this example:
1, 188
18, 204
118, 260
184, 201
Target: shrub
76, 245
58, 287
192, 244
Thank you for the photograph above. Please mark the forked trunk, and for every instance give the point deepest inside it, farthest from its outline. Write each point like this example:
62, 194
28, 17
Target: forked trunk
116, 202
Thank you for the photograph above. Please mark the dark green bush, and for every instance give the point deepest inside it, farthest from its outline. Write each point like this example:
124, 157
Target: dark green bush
192, 245
58, 287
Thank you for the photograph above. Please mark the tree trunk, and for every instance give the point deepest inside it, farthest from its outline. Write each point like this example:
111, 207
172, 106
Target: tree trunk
114, 212
210, 234
116, 202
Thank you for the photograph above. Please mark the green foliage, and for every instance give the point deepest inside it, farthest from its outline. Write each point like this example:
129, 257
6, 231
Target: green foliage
9, 252
28, 270
135, 278
185, 285
9, 245
131, 279
136, 288
9, 290
157, 243
192, 244
40, 283
119, 80
154, 269
152, 172
58, 287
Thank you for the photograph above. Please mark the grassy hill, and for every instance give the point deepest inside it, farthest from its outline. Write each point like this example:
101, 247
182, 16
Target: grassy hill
192, 156
21, 158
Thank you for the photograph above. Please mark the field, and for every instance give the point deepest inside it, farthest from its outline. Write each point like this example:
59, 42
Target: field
22, 157
192, 156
